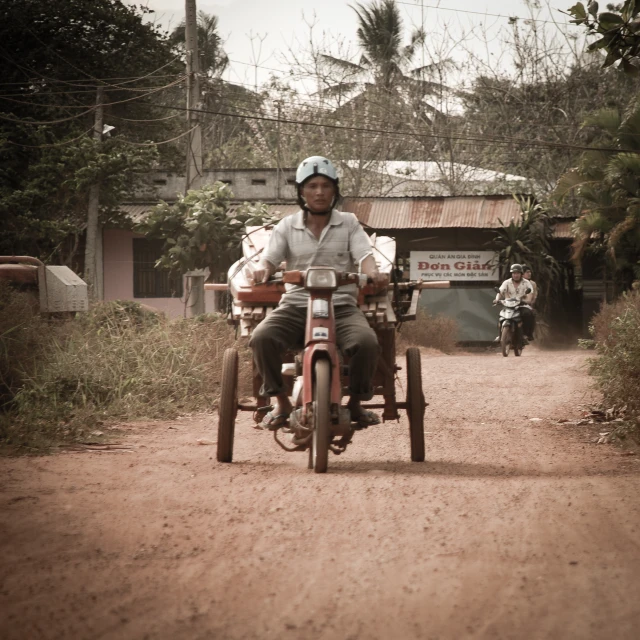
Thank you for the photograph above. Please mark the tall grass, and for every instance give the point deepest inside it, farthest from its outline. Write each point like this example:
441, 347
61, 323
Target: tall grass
116, 362
21, 340
436, 332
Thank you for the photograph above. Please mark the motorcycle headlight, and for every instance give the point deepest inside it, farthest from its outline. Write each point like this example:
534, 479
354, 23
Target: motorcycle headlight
321, 279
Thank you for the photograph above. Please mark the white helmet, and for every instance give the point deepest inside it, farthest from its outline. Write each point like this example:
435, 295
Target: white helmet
316, 165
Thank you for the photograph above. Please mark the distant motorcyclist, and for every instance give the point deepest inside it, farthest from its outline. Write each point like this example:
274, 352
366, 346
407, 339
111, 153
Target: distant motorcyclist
517, 287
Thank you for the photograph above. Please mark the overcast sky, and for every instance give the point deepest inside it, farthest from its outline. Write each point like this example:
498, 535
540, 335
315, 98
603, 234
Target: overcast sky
282, 25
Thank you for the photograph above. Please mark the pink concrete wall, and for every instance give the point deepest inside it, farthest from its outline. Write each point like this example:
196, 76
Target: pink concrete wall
118, 273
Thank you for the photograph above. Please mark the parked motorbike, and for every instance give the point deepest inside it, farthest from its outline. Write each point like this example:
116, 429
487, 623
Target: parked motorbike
510, 326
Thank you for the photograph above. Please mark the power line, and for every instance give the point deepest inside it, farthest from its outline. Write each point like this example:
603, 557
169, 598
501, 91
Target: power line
155, 144
80, 80
79, 115
479, 13
63, 143
475, 139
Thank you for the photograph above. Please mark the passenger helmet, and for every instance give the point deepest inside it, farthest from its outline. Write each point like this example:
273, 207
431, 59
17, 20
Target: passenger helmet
316, 166
516, 267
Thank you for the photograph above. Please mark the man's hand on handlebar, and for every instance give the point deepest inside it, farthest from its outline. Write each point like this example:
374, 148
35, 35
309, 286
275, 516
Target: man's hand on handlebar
379, 280
260, 276
262, 273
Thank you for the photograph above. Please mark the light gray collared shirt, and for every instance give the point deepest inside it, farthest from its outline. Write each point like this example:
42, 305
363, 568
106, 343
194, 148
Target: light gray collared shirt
509, 289
343, 244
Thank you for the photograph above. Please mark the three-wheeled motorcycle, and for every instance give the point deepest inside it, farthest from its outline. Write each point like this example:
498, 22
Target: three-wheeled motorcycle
318, 374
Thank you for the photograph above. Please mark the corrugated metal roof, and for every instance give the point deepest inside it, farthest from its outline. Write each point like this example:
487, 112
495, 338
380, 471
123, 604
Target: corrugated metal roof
136, 212
563, 229
476, 212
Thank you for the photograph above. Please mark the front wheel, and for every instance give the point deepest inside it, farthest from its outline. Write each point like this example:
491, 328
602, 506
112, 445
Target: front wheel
415, 404
321, 416
228, 406
518, 342
505, 339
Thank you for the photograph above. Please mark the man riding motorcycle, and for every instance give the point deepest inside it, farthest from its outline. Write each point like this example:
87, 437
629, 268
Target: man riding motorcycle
518, 287
317, 235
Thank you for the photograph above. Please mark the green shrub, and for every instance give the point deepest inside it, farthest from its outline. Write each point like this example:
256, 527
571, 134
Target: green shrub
436, 332
117, 362
616, 334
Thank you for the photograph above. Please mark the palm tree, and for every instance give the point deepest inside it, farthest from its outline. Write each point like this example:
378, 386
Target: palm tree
384, 66
527, 240
213, 59
608, 184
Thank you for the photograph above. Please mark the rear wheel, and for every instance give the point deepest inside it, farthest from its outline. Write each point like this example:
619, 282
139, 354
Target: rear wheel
228, 407
505, 339
321, 416
415, 404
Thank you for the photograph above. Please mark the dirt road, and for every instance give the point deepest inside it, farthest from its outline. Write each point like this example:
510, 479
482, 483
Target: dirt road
513, 528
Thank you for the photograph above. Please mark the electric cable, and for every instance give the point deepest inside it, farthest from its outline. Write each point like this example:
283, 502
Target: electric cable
62, 143
404, 133
156, 144
480, 13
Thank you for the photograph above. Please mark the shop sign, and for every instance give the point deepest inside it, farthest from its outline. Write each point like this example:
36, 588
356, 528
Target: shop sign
470, 266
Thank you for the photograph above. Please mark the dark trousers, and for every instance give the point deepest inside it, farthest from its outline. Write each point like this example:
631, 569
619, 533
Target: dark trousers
284, 328
528, 321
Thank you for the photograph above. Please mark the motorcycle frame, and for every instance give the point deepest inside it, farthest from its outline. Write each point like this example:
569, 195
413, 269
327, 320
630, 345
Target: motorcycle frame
515, 321
315, 348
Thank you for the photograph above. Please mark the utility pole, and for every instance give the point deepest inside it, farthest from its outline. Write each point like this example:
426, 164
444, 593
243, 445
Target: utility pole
278, 162
93, 246
193, 177
194, 139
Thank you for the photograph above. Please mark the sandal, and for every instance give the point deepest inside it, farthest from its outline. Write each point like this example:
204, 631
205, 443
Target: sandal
274, 421
366, 419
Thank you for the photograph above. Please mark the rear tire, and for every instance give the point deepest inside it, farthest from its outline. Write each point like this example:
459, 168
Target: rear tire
228, 406
505, 340
415, 404
321, 416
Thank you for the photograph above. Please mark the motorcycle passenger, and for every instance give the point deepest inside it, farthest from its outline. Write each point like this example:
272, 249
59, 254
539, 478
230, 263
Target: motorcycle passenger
526, 274
317, 235
516, 287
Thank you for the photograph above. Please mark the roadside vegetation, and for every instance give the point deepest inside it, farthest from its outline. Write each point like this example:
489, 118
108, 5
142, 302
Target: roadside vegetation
434, 332
62, 380
616, 338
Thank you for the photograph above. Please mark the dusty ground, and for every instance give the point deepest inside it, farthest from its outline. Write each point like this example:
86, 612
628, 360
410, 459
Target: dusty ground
513, 528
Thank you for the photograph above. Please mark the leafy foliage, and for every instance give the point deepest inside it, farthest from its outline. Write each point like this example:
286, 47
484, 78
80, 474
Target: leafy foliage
213, 59
45, 214
527, 240
608, 185
618, 29
60, 53
200, 231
